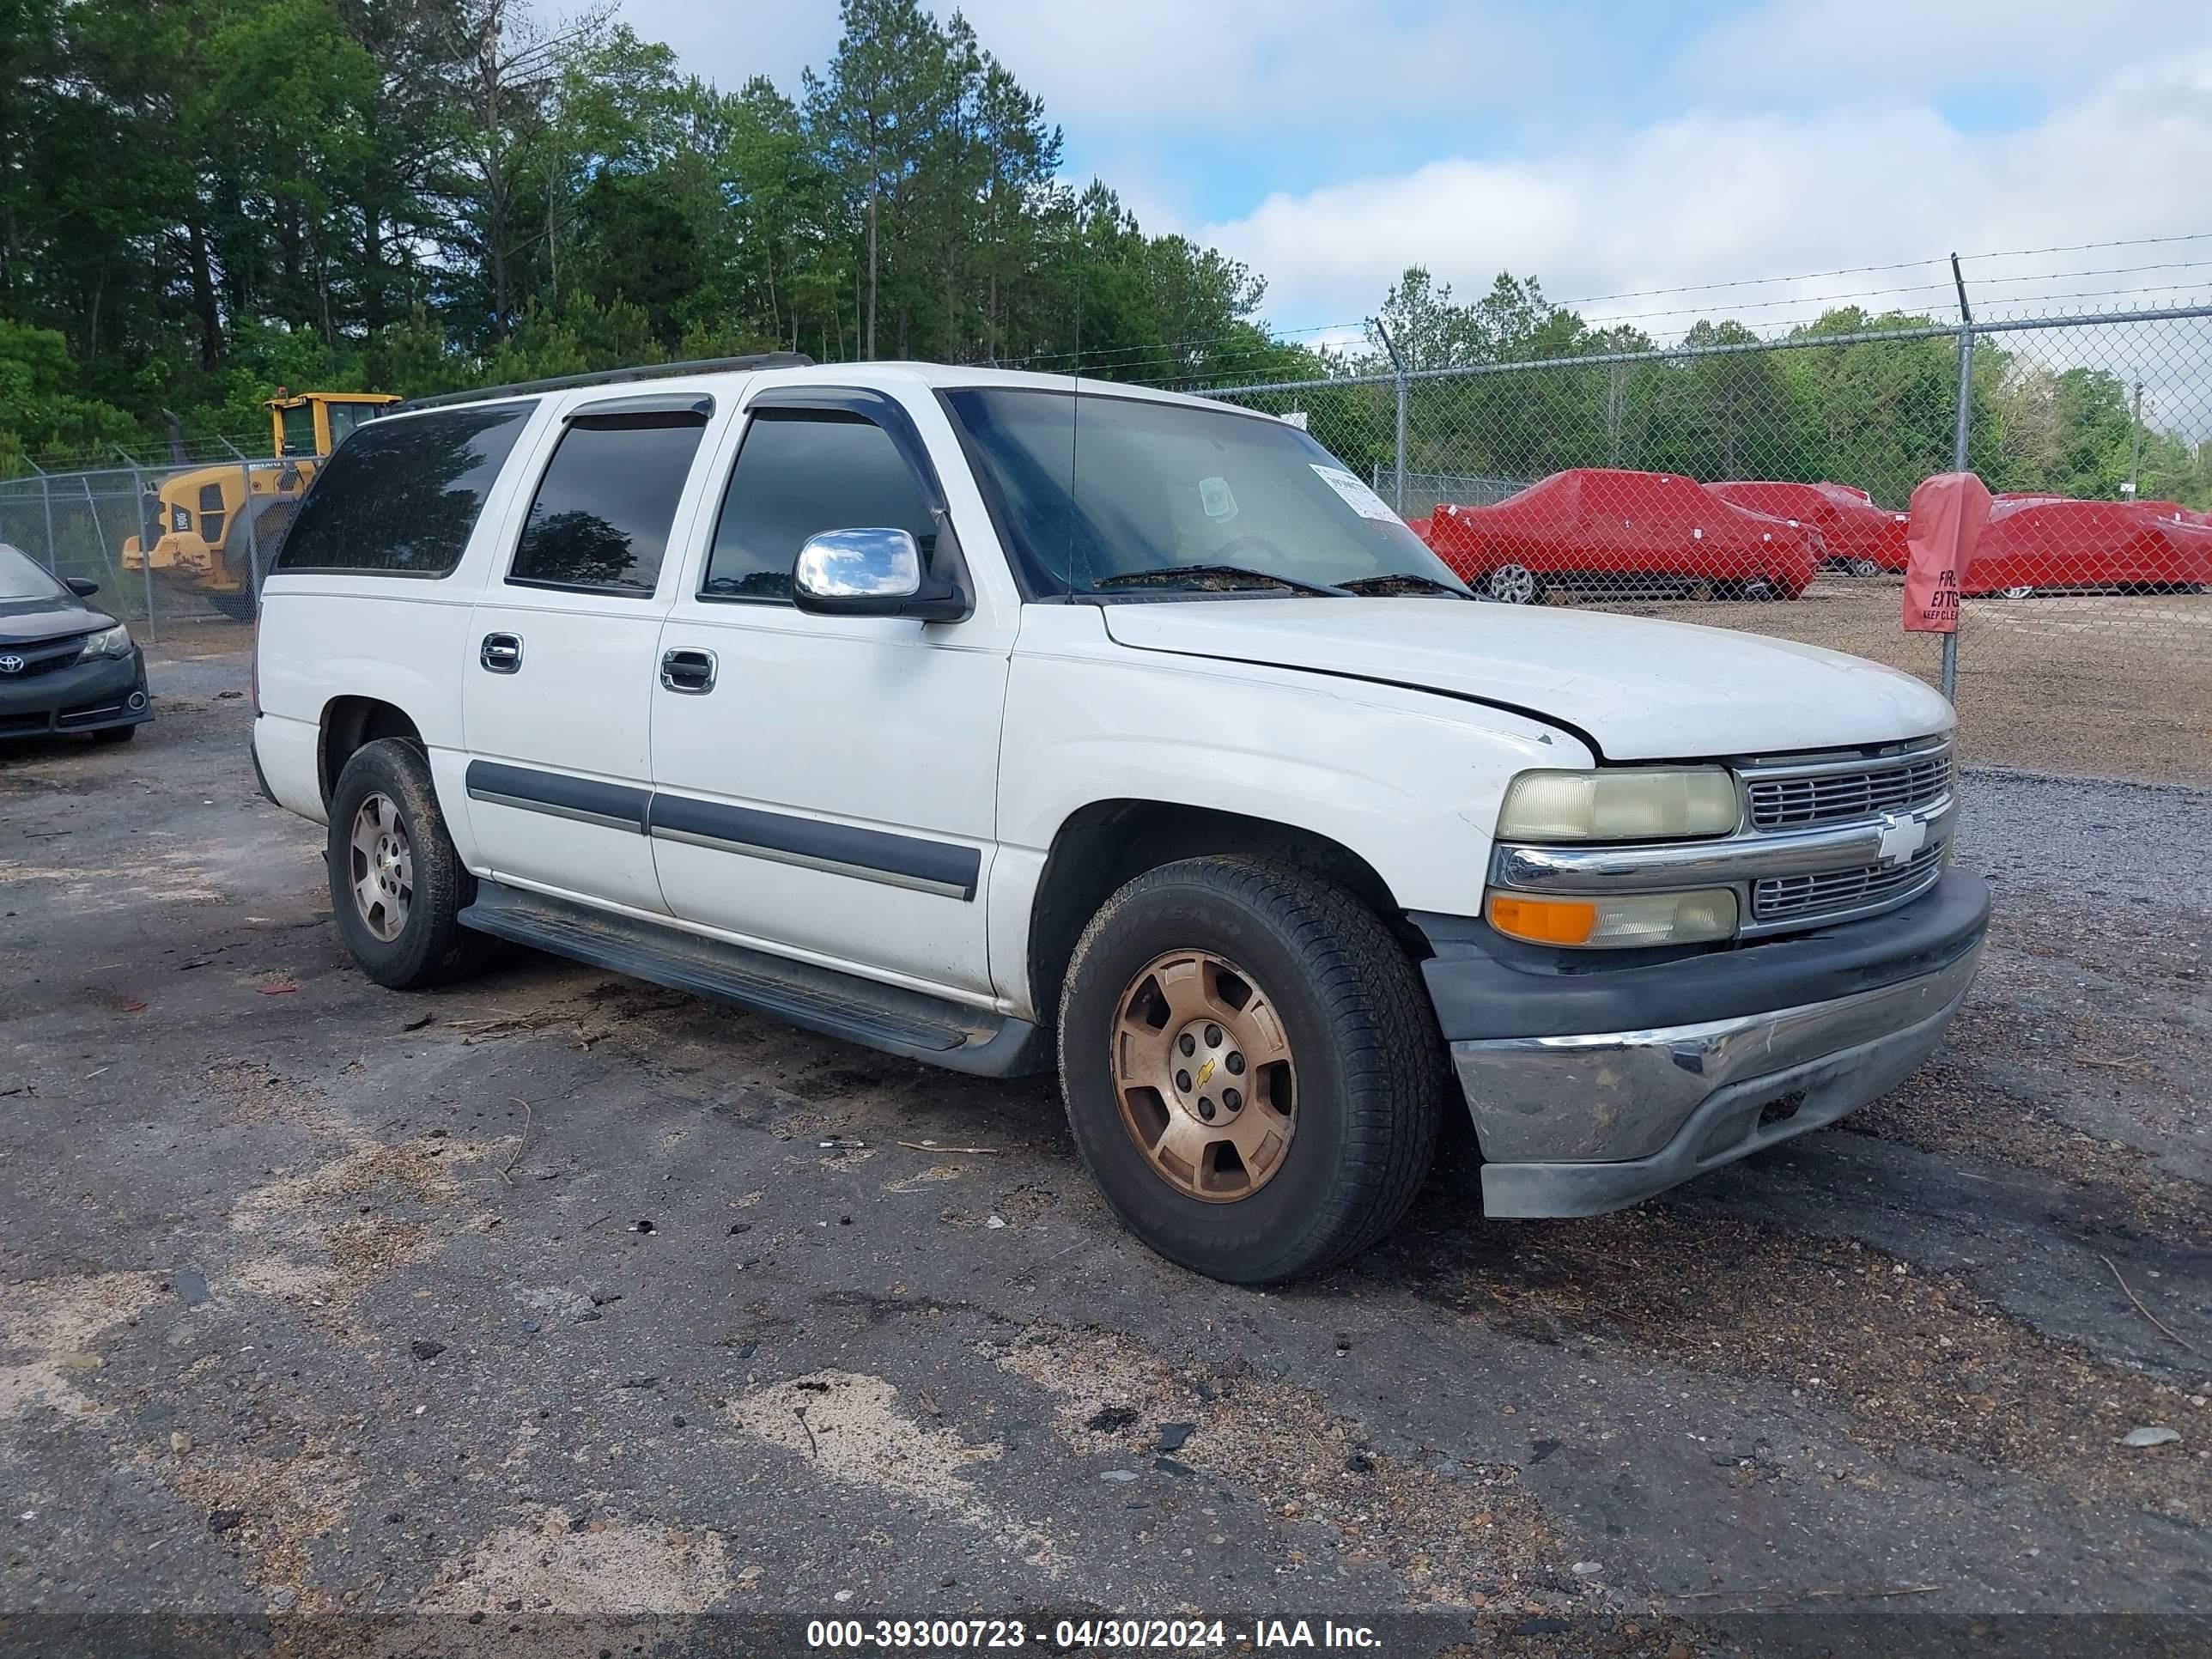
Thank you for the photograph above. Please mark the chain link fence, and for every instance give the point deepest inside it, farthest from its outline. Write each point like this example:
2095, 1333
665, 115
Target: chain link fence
1729, 480
174, 546
1766, 484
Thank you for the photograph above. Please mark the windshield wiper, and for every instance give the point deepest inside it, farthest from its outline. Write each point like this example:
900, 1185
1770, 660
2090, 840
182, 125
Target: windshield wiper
1400, 581
1174, 574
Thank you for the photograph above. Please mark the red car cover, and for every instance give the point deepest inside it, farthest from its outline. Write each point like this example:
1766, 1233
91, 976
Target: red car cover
1599, 526
2048, 542
1855, 529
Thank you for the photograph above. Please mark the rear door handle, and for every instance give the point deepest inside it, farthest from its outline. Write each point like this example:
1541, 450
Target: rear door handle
501, 653
688, 670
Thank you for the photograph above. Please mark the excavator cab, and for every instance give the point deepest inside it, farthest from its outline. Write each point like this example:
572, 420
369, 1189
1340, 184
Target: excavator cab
314, 423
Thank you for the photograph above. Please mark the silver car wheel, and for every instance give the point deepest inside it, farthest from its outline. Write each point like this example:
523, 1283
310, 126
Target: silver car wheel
1515, 583
383, 874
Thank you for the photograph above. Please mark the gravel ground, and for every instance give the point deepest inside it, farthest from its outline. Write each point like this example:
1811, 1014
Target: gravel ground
560, 1313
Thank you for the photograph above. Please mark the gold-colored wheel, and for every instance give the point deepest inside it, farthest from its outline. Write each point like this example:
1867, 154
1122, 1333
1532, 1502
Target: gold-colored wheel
1203, 1075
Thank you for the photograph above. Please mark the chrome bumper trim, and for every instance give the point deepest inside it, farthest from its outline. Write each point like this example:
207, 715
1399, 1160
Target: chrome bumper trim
1623, 1096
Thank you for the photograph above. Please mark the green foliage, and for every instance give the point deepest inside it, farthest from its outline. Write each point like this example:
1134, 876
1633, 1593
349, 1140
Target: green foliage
205, 198
39, 408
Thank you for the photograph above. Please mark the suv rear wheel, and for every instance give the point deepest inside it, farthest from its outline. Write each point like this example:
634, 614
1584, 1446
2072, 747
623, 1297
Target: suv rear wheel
396, 882
1252, 1071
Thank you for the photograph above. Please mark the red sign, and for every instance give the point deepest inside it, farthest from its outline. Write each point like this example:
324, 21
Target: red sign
1948, 511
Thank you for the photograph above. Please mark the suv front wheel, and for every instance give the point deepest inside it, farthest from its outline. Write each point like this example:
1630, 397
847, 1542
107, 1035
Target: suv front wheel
396, 882
1252, 1071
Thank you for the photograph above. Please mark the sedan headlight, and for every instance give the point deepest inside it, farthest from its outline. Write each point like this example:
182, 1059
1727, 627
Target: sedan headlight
109, 642
1634, 803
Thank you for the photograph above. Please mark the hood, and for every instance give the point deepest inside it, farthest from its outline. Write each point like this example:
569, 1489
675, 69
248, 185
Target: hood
25, 621
1640, 689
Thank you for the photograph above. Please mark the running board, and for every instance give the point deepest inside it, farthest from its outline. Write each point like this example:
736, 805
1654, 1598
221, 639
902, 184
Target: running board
885, 1017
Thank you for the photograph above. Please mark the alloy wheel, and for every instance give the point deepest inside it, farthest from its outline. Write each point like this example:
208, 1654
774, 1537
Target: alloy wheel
1515, 583
383, 874
1203, 1075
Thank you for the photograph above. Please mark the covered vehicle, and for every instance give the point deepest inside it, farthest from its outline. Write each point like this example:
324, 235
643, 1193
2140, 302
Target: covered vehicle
2041, 543
1865, 539
1592, 528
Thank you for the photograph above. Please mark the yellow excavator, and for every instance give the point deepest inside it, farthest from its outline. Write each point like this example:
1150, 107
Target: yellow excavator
200, 529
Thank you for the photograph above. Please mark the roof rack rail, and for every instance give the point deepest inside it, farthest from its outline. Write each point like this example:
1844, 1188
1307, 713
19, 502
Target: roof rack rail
614, 377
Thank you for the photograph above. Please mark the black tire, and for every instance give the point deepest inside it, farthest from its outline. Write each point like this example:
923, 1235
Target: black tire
430, 947
1370, 1065
115, 733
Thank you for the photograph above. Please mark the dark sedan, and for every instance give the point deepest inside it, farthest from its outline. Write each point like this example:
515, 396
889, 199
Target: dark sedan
63, 665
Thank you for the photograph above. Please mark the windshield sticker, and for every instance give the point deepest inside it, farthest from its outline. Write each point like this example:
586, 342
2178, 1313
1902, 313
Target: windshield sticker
1356, 495
1213, 495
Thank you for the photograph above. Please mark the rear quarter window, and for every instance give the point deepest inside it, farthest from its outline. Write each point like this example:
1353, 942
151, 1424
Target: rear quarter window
401, 496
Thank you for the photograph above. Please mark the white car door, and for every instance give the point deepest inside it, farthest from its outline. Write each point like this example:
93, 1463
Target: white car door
825, 786
557, 705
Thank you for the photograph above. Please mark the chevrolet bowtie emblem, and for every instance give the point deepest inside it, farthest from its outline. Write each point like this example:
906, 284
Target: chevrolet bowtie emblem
1901, 838
1206, 1072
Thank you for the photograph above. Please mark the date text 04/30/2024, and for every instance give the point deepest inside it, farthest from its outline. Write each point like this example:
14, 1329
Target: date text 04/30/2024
1110, 1635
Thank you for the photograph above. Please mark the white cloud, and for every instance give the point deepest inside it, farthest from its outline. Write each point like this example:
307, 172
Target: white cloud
1120, 69
728, 44
1900, 49
1710, 197
1220, 65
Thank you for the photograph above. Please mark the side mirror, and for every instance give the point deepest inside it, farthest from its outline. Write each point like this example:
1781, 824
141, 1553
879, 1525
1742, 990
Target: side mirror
78, 585
871, 573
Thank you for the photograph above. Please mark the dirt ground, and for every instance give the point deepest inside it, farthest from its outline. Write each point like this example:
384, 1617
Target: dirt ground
559, 1314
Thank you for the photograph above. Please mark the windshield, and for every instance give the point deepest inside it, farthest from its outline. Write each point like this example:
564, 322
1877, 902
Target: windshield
1115, 495
19, 579
346, 416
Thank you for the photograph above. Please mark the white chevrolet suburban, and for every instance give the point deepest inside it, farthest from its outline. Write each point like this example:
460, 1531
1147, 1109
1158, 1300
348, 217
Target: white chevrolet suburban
1007, 722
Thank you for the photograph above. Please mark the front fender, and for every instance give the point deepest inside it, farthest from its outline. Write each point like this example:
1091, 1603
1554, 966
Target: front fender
1409, 780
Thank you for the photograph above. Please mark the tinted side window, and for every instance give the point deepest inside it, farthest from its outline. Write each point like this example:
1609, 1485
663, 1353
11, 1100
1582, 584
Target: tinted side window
404, 498
797, 475
606, 503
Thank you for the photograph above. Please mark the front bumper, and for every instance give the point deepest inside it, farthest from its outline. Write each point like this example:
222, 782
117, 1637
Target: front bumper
83, 697
1593, 1085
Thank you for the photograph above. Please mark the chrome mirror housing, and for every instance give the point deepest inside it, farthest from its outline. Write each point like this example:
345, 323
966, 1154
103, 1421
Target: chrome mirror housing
871, 573
857, 564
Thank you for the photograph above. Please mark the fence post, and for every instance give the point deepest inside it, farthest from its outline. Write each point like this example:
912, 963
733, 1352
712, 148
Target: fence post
147, 532
252, 539
46, 501
1959, 433
1398, 444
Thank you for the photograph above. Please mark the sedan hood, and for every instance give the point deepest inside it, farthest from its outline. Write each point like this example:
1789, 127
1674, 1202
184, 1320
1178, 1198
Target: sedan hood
25, 621
1641, 689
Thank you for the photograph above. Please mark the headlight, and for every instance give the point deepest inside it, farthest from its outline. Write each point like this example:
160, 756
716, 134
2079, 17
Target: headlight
109, 642
1645, 803
1618, 922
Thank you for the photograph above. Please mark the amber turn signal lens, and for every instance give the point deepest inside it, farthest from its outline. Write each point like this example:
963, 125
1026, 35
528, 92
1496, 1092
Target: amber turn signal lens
1543, 920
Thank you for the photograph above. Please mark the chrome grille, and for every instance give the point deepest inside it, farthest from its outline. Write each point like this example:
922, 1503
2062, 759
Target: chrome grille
1841, 892
1861, 793
1839, 797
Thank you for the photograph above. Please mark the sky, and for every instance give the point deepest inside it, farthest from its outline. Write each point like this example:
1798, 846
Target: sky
1611, 148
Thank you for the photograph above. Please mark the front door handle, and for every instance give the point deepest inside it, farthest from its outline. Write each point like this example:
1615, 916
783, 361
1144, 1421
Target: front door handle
501, 653
688, 670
